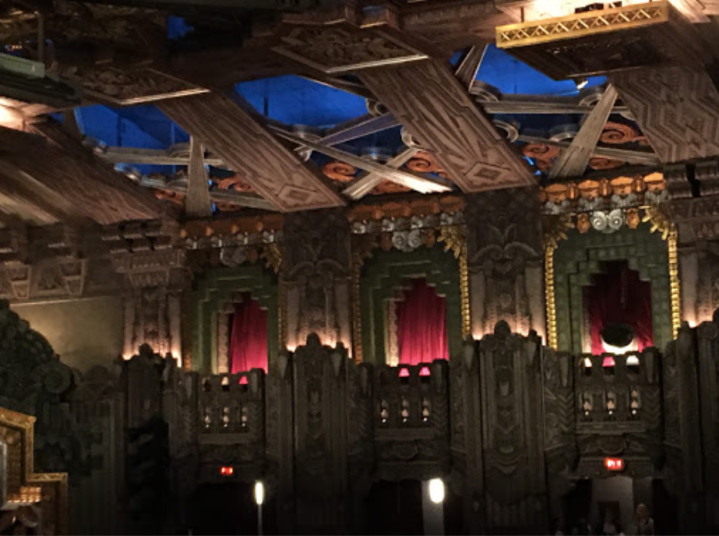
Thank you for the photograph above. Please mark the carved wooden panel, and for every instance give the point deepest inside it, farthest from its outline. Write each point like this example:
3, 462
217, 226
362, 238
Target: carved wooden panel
233, 133
677, 109
340, 48
67, 170
427, 99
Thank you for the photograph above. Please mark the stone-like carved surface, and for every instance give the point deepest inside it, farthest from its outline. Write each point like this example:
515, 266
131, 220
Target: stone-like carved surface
35, 382
156, 276
504, 258
321, 473
316, 270
513, 454
427, 99
128, 86
411, 421
233, 133
342, 48
677, 109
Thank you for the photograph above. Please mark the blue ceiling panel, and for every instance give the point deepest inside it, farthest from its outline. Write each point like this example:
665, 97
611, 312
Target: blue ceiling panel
297, 101
511, 76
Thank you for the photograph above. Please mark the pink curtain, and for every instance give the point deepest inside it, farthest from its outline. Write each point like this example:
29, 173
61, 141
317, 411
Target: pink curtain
248, 338
421, 325
619, 296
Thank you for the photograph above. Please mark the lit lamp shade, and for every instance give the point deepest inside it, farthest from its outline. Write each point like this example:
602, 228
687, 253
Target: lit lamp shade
436, 490
259, 492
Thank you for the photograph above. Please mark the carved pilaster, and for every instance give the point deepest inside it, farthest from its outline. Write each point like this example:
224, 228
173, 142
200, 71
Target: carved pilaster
155, 278
513, 446
505, 260
559, 427
682, 429
321, 444
316, 275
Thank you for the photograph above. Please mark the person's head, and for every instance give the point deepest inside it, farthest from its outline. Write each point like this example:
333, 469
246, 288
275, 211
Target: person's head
642, 511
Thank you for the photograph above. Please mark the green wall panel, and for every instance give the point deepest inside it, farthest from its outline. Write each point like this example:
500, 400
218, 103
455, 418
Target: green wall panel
386, 273
581, 256
217, 287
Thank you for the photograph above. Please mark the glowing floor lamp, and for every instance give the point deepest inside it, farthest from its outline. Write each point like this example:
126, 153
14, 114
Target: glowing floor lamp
259, 499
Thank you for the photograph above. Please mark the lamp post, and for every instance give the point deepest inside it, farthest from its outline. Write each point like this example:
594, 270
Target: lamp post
259, 499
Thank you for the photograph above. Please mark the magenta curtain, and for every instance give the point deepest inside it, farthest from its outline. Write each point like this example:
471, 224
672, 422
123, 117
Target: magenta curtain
248, 337
421, 325
619, 296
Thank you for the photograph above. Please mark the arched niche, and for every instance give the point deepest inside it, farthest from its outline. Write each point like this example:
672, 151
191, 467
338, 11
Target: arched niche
215, 294
383, 278
581, 256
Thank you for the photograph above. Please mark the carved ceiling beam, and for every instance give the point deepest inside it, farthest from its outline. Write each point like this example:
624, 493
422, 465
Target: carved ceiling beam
625, 155
364, 185
525, 104
410, 180
230, 197
434, 107
25, 197
676, 107
72, 171
232, 130
197, 203
469, 67
573, 161
158, 157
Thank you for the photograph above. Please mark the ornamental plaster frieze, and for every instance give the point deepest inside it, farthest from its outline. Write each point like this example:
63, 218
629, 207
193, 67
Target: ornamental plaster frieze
144, 253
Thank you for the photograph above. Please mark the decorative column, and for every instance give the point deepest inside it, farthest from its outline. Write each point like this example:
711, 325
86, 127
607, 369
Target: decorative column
505, 260
316, 277
697, 237
156, 277
321, 441
515, 490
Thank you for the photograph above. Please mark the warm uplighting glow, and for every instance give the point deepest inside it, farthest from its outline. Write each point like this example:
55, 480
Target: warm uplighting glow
614, 464
547, 9
587, 362
632, 361
436, 490
227, 471
259, 493
619, 350
10, 118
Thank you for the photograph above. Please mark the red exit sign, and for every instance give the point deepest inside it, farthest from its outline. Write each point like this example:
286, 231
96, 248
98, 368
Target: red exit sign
614, 464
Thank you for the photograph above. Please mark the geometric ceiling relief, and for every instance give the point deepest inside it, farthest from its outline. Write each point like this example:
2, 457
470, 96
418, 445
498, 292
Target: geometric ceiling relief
339, 48
228, 128
67, 169
439, 113
676, 107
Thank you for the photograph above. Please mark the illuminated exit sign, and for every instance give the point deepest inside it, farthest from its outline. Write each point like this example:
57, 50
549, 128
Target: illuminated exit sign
614, 464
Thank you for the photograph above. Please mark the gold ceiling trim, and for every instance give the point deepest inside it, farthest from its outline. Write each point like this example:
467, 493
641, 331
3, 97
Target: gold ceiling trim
582, 24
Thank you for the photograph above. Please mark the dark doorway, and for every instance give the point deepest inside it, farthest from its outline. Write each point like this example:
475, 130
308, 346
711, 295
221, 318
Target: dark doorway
223, 508
664, 511
395, 508
577, 507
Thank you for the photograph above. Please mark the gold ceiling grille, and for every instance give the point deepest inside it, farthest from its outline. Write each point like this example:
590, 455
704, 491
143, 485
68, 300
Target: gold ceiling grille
582, 24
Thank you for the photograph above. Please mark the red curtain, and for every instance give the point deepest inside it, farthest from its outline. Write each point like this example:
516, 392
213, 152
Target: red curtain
248, 338
421, 325
619, 296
